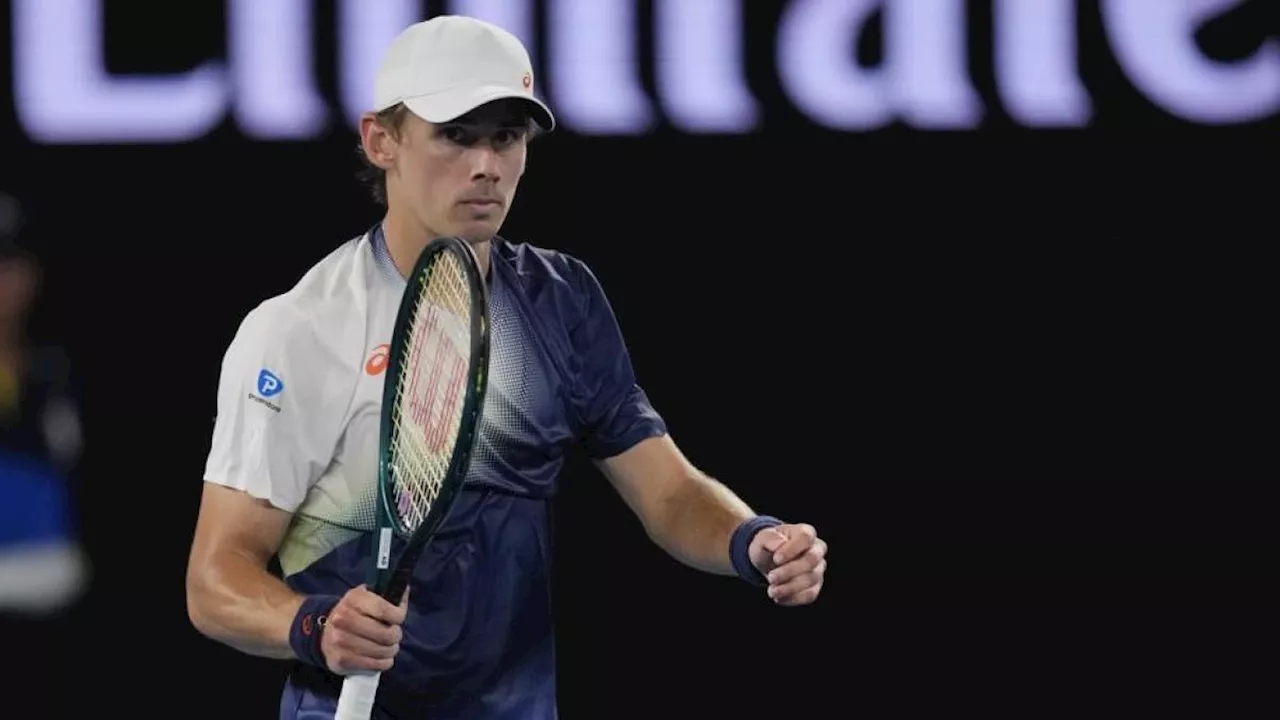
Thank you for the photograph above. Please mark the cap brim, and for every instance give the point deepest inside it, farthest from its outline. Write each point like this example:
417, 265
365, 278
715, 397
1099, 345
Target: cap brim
452, 104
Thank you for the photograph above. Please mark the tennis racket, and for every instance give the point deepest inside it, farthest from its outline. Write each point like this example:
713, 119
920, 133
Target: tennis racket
437, 373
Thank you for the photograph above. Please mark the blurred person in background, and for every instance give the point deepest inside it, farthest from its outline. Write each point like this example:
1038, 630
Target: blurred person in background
42, 566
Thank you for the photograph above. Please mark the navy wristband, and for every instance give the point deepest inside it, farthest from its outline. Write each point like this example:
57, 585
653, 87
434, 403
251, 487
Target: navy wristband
308, 624
741, 541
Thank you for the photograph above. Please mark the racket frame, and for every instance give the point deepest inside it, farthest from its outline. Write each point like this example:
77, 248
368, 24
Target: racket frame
390, 576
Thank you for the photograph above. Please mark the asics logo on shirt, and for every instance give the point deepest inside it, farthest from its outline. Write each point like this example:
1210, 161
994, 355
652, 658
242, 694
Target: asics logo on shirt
377, 361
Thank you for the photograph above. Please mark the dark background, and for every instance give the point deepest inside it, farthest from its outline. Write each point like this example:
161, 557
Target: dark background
1004, 372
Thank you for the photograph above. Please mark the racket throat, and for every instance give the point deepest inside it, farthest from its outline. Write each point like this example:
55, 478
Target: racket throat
379, 574
384, 548
389, 575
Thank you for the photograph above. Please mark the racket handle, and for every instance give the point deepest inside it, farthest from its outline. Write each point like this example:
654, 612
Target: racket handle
356, 700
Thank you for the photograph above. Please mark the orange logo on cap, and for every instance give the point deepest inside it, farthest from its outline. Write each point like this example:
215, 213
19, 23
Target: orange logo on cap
527, 80
377, 360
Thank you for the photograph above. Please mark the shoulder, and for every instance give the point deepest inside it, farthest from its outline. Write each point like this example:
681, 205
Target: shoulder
542, 269
316, 317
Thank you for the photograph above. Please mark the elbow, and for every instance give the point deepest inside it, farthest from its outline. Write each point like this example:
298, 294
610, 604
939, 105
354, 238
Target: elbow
661, 520
195, 608
199, 605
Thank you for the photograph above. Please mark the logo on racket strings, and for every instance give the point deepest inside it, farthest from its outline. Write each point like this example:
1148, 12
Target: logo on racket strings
404, 502
434, 395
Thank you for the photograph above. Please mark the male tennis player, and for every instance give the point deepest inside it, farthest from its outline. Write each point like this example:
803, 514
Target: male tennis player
295, 445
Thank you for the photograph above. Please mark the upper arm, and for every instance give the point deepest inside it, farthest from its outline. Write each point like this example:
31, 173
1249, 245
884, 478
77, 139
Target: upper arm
648, 476
236, 535
277, 424
613, 411
231, 522
279, 410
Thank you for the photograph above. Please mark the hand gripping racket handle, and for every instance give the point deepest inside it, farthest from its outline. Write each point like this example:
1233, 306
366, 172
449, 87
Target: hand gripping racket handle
356, 700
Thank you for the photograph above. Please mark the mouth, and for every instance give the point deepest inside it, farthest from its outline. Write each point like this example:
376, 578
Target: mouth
484, 203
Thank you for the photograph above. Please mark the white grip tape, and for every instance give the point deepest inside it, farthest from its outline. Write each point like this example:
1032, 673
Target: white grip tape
356, 700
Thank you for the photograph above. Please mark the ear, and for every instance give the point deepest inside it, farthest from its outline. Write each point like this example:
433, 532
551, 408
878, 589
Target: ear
378, 143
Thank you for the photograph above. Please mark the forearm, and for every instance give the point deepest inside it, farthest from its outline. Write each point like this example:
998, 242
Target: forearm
235, 601
696, 524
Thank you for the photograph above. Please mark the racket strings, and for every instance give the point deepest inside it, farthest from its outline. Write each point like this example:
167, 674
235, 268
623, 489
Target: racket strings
431, 391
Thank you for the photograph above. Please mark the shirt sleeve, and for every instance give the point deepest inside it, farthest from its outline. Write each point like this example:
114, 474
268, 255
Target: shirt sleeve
278, 421
612, 410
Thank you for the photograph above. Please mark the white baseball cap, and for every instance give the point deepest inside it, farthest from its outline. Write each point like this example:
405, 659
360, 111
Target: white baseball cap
451, 64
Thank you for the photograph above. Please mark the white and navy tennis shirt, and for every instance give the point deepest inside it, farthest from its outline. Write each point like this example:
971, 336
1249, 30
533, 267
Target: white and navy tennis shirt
298, 412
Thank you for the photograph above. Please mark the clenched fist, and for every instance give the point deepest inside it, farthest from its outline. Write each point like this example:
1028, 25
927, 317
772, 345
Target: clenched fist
793, 559
362, 632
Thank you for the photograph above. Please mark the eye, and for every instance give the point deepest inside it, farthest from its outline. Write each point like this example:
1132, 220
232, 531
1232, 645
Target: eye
507, 136
455, 134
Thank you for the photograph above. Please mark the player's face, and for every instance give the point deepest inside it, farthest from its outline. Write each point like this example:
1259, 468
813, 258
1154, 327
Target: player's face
460, 177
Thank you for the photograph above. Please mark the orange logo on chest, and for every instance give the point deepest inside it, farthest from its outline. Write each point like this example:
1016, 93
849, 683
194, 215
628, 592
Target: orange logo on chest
377, 361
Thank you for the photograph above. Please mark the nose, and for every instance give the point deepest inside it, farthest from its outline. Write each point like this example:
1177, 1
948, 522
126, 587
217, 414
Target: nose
484, 163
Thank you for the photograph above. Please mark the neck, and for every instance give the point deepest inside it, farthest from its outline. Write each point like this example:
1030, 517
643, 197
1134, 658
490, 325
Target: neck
406, 238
